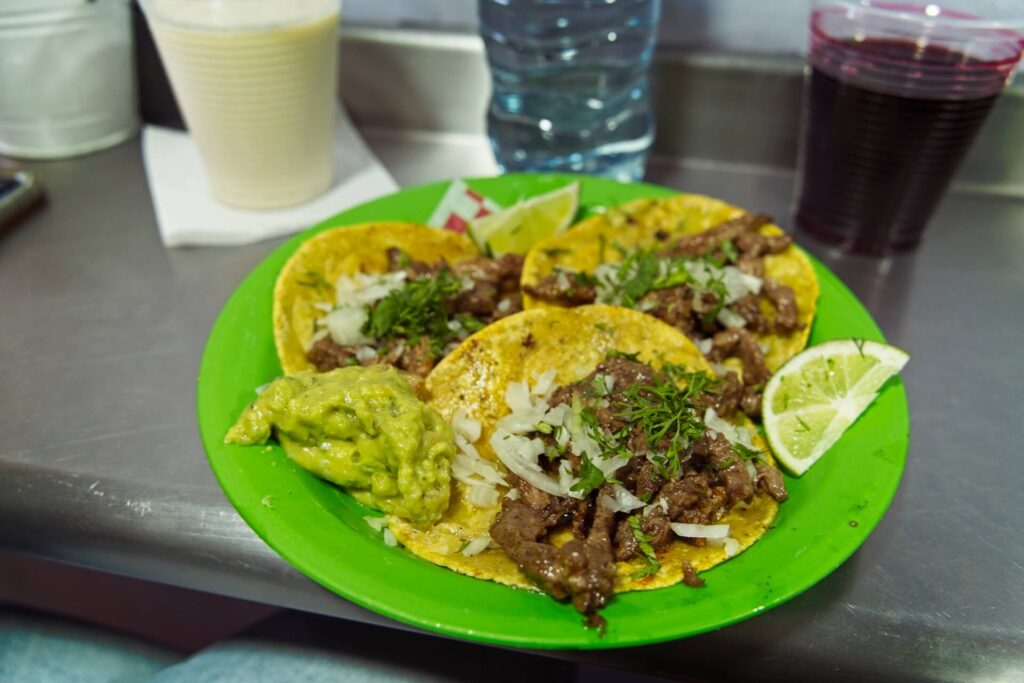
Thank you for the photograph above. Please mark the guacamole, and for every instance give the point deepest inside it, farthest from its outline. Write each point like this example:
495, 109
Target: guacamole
361, 428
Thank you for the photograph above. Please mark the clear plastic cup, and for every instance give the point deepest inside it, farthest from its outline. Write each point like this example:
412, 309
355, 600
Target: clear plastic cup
256, 83
894, 95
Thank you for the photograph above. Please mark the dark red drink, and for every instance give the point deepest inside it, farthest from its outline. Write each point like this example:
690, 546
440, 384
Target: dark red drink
886, 123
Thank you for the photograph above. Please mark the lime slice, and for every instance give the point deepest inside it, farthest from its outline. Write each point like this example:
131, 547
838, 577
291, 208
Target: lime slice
814, 397
527, 222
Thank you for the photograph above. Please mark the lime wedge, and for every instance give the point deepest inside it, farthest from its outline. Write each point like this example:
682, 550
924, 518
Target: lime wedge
527, 222
814, 397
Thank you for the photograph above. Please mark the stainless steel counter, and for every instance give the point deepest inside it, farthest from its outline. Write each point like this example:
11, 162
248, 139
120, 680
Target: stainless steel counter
101, 331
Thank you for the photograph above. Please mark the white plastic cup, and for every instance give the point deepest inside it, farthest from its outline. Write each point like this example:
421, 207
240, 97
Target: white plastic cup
256, 83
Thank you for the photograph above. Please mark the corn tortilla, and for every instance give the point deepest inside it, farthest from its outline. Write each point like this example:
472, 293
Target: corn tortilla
306, 282
521, 347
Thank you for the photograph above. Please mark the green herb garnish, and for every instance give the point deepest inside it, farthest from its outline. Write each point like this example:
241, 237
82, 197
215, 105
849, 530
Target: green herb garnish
730, 252
415, 310
748, 453
469, 323
590, 477
665, 413
316, 281
614, 353
643, 541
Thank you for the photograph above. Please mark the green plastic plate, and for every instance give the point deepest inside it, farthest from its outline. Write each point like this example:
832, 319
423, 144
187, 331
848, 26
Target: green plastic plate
321, 531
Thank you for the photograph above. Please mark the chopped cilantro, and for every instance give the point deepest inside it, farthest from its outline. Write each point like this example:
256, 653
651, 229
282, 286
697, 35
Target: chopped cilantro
469, 323
555, 252
590, 477
315, 280
643, 541
415, 310
581, 279
747, 453
604, 327
665, 413
730, 252
724, 465
614, 353
633, 278
403, 259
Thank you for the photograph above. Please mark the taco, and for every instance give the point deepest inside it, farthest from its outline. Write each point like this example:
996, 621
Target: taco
728, 279
595, 456
395, 293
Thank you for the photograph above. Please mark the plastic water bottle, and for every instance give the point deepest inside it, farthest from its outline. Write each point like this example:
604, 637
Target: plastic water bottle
569, 84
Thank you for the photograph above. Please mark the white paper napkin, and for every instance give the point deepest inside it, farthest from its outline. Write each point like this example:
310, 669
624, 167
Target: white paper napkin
188, 215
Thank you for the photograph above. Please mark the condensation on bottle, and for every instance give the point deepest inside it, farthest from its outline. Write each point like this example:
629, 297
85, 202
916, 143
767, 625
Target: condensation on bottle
570, 84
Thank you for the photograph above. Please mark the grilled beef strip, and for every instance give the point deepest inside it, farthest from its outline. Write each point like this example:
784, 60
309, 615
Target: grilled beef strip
742, 344
491, 292
705, 242
582, 570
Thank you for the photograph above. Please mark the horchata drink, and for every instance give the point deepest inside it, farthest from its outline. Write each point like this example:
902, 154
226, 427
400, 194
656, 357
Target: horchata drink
255, 80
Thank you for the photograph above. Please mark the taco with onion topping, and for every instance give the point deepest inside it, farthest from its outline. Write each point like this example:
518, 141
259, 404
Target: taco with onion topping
395, 293
728, 279
595, 454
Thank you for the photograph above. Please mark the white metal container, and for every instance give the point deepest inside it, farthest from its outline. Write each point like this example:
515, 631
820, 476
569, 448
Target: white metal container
67, 77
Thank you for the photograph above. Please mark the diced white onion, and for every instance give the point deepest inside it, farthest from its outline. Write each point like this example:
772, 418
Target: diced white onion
504, 305
465, 425
345, 324
389, 538
730, 544
731, 319
474, 470
360, 289
376, 523
621, 500
519, 454
721, 370
700, 530
483, 496
477, 545
733, 433
661, 503
479, 475
739, 284
513, 494
517, 397
751, 470
544, 382
365, 354
565, 478
705, 345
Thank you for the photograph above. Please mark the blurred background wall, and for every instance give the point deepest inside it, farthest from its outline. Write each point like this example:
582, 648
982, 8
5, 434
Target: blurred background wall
758, 26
